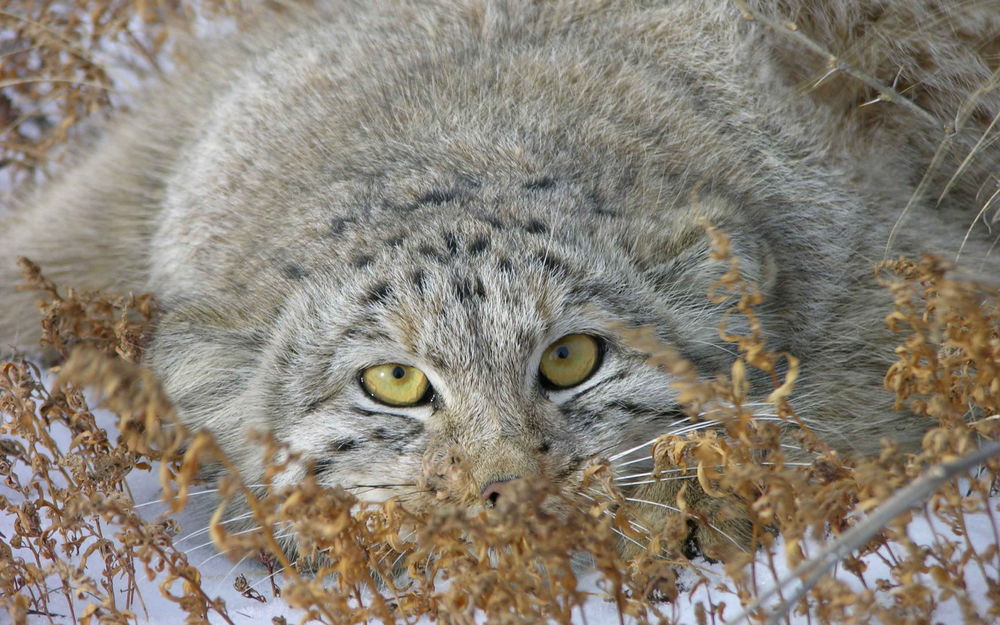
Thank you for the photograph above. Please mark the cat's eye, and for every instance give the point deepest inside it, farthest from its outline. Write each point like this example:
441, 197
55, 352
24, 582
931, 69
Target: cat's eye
395, 385
570, 360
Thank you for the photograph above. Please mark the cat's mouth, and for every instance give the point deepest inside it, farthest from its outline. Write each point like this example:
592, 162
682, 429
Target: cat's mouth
451, 477
646, 500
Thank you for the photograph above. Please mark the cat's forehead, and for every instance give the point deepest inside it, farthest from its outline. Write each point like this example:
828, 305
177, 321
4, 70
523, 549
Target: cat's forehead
476, 274
472, 282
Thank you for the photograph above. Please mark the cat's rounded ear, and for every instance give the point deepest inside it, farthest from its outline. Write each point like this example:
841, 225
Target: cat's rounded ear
688, 266
675, 250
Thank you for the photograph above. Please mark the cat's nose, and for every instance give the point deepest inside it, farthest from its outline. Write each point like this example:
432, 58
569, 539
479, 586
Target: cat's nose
496, 489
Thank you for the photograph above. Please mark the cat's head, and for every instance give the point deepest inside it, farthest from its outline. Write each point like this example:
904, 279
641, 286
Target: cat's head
479, 321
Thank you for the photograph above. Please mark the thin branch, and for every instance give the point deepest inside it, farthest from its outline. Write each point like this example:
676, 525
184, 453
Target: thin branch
815, 568
837, 64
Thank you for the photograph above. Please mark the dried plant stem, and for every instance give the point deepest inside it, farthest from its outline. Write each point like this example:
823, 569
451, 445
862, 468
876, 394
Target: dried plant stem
837, 64
914, 494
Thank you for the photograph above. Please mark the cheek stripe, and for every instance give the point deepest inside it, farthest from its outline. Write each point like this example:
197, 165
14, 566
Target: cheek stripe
347, 444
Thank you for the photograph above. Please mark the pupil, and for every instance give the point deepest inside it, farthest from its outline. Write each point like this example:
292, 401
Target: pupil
562, 352
398, 373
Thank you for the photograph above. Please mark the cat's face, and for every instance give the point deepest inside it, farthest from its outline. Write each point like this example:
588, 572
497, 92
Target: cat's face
486, 331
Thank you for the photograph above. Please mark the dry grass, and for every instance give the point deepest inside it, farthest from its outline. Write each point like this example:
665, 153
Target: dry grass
79, 538
64, 68
359, 561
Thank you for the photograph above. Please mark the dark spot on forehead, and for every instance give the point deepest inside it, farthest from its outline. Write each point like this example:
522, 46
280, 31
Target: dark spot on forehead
286, 358
479, 244
429, 252
496, 222
362, 260
536, 226
467, 289
395, 241
438, 195
437, 361
294, 272
451, 242
539, 184
338, 225
598, 206
418, 279
378, 294
552, 263
351, 333
504, 265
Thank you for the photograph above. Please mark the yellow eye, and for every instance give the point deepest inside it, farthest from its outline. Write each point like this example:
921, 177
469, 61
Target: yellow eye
570, 360
395, 385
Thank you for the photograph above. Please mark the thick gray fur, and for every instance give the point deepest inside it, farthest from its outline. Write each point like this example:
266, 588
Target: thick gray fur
455, 185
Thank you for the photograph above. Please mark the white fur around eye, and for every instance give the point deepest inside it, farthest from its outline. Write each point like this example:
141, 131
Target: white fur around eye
363, 401
603, 372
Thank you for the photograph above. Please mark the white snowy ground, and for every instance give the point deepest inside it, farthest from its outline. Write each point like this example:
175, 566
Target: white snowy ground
218, 573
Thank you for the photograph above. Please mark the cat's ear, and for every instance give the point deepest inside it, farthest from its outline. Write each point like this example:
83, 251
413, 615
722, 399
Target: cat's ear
917, 81
688, 273
695, 269
676, 250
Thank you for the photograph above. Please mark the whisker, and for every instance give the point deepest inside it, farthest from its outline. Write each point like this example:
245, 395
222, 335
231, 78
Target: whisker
632, 450
285, 535
629, 538
201, 492
694, 427
618, 531
212, 557
396, 561
264, 579
701, 425
636, 461
403, 539
654, 503
218, 586
665, 479
209, 528
717, 466
673, 509
721, 348
252, 529
729, 407
649, 473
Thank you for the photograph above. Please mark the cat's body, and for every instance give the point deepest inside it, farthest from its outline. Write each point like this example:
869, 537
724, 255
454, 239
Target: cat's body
455, 186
